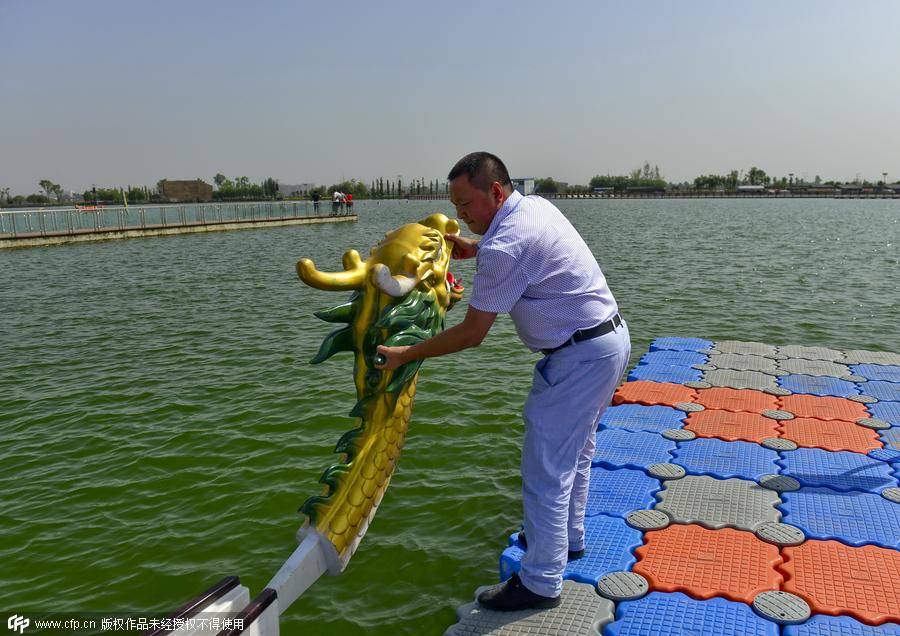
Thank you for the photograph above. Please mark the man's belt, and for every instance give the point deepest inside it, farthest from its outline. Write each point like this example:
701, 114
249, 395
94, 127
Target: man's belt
588, 334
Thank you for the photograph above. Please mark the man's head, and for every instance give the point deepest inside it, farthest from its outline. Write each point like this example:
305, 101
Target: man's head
479, 184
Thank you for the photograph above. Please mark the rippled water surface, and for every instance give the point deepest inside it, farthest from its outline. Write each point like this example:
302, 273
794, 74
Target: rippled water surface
160, 424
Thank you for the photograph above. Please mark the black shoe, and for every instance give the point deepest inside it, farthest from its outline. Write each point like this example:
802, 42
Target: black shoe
513, 595
573, 554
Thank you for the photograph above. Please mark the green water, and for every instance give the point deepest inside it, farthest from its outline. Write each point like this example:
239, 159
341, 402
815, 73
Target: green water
160, 425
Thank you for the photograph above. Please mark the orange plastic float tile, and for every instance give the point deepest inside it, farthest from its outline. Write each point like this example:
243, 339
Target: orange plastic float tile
732, 426
832, 435
823, 408
652, 393
706, 563
837, 579
736, 400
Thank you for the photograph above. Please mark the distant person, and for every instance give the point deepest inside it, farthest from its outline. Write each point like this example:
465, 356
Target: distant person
349, 198
533, 265
336, 202
315, 200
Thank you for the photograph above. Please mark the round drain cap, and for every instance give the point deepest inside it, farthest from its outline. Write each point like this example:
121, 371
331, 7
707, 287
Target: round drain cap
622, 586
697, 384
779, 391
783, 608
779, 444
779, 483
871, 422
648, 519
891, 494
665, 472
678, 434
854, 378
862, 399
780, 534
774, 414
704, 367
689, 407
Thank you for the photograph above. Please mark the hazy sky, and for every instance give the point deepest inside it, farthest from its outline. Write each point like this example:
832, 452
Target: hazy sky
118, 92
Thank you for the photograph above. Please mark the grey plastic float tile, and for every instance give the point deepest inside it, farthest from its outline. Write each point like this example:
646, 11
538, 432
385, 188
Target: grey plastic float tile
858, 356
582, 612
740, 379
811, 353
746, 348
743, 362
718, 503
814, 367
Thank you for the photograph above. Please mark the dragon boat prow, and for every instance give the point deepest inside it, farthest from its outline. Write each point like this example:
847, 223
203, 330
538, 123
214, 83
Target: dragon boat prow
400, 296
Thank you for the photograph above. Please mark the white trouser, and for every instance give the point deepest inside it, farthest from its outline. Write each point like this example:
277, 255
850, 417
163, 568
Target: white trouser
570, 390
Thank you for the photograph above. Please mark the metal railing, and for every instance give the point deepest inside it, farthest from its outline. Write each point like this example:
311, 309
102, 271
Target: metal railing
94, 219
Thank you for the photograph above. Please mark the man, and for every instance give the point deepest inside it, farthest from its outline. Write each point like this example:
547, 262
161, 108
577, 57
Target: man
532, 264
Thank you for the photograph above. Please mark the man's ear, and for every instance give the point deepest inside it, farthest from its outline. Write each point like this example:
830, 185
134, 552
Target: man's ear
497, 193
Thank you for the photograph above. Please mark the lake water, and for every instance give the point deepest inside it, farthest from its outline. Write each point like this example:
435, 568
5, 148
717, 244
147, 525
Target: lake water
161, 425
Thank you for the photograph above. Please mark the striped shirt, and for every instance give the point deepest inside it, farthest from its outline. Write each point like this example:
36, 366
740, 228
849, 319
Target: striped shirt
533, 265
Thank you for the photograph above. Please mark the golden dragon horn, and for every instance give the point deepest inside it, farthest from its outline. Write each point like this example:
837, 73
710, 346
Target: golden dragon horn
353, 276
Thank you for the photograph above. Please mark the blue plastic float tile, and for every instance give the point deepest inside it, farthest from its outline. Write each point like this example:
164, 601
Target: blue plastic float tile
887, 411
889, 373
609, 547
855, 518
664, 373
680, 344
662, 614
822, 625
889, 455
724, 460
841, 470
887, 391
675, 358
617, 449
637, 417
821, 385
891, 437
618, 492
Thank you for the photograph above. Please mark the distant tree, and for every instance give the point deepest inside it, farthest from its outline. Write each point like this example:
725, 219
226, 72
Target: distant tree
50, 188
270, 187
732, 180
219, 179
546, 186
37, 198
756, 176
357, 188
4, 194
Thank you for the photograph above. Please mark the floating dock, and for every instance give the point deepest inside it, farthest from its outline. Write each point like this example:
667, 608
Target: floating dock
55, 226
737, 488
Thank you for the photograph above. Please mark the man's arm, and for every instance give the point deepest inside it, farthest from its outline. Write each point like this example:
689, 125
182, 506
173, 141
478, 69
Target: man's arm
469, 333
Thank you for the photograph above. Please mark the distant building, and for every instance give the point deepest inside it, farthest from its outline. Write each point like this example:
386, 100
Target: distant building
185, 191
524, 185
288, 190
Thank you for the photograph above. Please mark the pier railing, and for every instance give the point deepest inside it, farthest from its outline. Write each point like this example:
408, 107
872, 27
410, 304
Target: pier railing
95, 219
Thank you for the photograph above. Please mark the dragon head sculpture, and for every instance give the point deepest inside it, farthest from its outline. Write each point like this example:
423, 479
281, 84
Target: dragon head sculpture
400, 295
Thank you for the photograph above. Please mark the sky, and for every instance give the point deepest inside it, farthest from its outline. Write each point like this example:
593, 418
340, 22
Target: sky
128, 92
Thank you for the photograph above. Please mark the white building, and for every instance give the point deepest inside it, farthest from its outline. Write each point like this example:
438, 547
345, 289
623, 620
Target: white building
524, 185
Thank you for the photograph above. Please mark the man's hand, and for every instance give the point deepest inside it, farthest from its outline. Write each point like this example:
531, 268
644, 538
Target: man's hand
393, 357
462, 247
